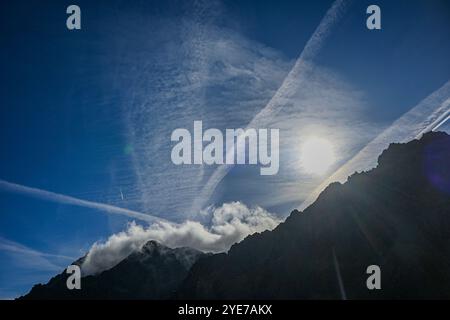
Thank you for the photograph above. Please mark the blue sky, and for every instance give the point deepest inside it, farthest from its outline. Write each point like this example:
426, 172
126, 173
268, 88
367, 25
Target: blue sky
89, 113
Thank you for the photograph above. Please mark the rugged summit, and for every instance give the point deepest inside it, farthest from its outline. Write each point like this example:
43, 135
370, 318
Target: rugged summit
154, 272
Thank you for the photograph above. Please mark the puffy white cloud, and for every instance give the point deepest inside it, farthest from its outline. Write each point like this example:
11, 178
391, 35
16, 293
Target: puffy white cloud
230, 223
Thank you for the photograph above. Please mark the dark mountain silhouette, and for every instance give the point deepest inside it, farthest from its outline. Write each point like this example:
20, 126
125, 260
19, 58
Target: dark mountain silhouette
154, 272
396, 216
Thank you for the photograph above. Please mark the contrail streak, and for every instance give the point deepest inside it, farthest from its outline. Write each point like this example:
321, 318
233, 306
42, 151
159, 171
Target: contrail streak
441, 123
60, 198
286, 90
14, 247
427, 116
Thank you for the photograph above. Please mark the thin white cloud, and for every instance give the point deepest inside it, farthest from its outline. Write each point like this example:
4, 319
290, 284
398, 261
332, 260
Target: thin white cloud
230, 223
215, 75
428, 115
298, 74
30, 258
64, 199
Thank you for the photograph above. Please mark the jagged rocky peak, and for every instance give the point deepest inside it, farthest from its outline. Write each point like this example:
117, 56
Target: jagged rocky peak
153, 246
153, 249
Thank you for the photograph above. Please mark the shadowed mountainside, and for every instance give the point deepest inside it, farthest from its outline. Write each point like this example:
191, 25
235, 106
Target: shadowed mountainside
154, 272
396, 216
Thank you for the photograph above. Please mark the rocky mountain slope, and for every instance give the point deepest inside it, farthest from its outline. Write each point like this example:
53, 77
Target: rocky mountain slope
154, 272
396, 216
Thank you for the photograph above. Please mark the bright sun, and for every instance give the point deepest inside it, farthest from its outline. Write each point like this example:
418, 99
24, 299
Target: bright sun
317, 155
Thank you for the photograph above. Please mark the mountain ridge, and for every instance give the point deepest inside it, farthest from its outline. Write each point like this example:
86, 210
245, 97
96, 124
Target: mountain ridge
395, 216
360, 223
152, 272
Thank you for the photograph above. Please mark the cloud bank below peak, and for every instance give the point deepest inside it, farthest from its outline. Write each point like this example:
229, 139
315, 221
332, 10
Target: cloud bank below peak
229, 224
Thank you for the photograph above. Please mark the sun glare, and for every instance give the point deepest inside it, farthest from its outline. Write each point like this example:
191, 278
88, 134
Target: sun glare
317, 155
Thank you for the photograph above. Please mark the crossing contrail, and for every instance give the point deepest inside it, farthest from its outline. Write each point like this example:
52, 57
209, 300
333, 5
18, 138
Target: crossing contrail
64, 199
286, 90
442, 122
442, 119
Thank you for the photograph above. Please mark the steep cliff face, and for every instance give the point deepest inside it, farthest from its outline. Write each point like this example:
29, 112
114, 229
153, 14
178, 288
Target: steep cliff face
396, 216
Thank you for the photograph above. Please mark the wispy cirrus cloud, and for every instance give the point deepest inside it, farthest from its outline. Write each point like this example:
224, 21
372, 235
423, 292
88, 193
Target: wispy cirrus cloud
195, 69
23, 266
31, 258
198, 72
298, 75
